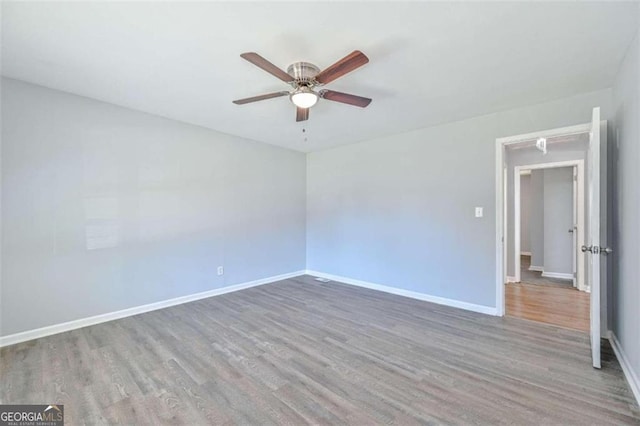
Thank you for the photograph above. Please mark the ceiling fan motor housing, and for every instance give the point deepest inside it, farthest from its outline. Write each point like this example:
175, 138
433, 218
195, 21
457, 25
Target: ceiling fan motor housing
303, 72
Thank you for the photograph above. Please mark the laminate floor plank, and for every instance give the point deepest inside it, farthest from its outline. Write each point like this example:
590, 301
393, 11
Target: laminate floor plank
548, 300
303, 352
561, 306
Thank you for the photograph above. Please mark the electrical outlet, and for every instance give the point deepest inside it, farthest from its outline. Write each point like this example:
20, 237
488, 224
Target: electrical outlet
220, 270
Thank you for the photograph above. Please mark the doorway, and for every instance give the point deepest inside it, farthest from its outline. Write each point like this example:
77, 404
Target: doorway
555, 220
548, 225
591, 250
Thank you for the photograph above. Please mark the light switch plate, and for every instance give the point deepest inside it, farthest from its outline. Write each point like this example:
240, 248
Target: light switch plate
479, 212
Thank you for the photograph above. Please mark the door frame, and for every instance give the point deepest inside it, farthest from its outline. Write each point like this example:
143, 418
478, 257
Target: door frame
501, 193
579, 210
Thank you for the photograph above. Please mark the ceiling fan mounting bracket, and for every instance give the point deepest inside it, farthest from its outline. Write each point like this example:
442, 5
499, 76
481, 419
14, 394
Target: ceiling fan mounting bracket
304, 74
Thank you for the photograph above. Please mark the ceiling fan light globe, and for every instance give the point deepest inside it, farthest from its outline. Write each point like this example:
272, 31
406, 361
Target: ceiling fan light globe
304, 98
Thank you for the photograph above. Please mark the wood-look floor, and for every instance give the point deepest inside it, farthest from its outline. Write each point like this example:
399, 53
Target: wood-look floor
535, 277
299, 352
548, 300
561, 306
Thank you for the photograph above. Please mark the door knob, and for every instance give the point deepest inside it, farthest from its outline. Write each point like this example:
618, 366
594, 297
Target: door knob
571, 230
597, 250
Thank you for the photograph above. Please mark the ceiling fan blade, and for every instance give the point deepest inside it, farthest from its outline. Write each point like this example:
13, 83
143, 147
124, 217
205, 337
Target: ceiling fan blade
259, 98
345, 98
345, 65
261, 62
302, 114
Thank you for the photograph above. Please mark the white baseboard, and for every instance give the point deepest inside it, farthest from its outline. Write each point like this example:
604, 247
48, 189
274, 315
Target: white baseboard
489, 310
511, 279
560, 275
525, 253
632, 376
12, 339
536, 268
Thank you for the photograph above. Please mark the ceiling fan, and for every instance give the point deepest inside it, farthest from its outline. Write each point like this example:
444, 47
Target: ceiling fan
304, 78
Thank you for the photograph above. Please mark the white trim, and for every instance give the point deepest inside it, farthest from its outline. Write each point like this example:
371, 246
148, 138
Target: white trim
37, 333
512, 279
525, 253
501, 205
579, 165
632, 376
517, 224
489, 310
536, 268
529, 137
561, 275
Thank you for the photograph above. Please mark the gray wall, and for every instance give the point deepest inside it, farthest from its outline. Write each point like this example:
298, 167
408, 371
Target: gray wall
399, 210
558, 219
105, 208
525, 213
536, 222
625, 160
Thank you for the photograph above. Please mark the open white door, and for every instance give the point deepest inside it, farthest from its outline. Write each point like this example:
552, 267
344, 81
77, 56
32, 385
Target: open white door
574, 227
592, 251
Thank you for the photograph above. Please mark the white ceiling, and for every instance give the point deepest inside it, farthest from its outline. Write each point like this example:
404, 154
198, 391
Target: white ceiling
429, 63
